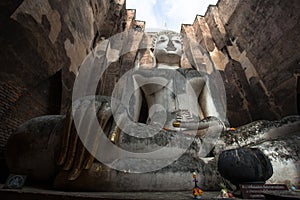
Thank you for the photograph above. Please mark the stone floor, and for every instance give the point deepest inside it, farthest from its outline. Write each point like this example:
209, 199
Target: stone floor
30, 193
34, 193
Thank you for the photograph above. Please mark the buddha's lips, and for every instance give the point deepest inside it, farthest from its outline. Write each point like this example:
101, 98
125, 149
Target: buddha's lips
171, 48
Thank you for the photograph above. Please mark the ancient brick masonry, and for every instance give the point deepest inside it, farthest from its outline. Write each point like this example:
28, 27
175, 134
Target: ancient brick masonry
255, 46
126, 52
42, 46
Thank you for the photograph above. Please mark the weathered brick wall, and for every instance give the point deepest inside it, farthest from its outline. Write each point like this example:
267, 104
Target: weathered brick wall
9, 94
18, 105
268, 33
262, 37
42, 46
108, 18
126, 45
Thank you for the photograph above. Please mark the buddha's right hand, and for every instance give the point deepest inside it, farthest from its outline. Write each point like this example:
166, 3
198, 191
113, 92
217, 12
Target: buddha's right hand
199, 125
74, 156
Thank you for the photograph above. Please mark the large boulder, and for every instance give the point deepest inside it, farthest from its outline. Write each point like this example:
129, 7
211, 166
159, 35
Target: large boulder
245, 165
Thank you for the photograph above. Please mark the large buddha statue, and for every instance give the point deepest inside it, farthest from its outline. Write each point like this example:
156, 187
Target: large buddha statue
159, 126
158, 114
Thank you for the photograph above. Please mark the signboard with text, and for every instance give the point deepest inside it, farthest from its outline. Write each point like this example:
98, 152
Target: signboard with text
255, 191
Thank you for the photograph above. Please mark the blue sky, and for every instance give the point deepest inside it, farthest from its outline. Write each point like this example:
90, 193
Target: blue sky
160, 14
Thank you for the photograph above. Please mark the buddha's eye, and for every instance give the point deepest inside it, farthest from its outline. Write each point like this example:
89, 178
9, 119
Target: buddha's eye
162, 39
177, 41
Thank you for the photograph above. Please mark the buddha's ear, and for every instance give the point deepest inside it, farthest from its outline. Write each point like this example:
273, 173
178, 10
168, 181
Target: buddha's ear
151, 51
181, 62
137, 61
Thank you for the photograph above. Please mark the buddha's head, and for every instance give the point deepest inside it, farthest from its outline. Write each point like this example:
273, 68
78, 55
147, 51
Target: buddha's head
167, 47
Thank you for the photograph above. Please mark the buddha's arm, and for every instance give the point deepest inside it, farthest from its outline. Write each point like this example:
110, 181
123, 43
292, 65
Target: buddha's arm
128, 110
208, 101
208, 107
137, 101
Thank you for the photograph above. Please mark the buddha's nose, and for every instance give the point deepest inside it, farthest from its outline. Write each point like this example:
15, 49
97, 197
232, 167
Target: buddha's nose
170, 46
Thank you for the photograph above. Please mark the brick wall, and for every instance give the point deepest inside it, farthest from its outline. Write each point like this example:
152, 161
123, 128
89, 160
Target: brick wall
42, 46
263, 37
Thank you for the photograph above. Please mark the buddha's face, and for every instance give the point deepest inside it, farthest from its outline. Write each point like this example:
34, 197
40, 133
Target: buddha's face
168, 49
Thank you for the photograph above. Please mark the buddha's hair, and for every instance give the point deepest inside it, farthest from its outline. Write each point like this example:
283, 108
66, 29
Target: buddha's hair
165, 32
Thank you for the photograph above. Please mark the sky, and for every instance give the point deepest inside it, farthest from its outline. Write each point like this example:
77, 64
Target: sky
170, 14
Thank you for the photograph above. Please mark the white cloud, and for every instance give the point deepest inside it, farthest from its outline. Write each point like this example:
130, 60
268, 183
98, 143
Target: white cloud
144, 11
174, 13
